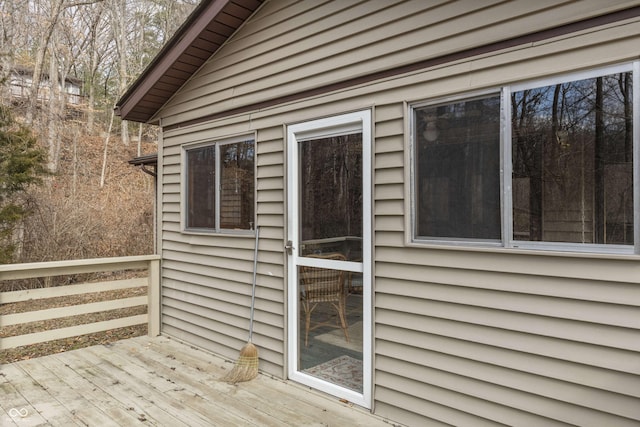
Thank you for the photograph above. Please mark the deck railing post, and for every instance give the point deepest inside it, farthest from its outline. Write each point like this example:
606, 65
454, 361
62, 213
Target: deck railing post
153, 307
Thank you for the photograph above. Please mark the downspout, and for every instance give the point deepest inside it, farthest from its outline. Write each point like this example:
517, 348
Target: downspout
153, 173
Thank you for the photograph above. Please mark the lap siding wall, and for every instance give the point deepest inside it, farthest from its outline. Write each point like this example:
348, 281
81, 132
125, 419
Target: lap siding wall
461, 336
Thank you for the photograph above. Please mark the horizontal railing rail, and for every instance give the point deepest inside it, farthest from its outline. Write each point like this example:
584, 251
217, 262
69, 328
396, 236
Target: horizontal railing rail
149, 264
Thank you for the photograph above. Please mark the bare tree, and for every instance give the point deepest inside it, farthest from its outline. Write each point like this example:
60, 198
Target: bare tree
118, 10
103, 45
97, 47
8, 23
47, 13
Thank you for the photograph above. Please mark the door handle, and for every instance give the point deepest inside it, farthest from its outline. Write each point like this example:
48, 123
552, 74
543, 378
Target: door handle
289, 247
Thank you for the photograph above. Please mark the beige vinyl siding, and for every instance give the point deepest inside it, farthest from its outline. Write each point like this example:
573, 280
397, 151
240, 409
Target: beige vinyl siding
535, 342
207, 277
498, 337
470, 337
464, 336
290, 46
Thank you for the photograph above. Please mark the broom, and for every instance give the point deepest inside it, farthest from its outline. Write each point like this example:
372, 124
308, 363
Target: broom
246, 367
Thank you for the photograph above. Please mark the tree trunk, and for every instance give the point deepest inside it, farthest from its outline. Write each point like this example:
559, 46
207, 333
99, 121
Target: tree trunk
106, 149
139, 139
599, 203
53, 116
123, 66
39, 59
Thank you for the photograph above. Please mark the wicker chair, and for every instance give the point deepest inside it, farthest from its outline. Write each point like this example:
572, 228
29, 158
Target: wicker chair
323, 286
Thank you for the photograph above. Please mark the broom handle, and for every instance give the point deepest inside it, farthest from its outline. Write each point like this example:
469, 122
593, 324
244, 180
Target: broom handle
253, 285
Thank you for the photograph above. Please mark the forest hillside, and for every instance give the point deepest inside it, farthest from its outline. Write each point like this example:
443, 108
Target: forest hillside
67, 191
63, 66
73, 217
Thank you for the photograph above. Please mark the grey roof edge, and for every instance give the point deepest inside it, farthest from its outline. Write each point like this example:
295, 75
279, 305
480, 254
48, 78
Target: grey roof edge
148, 159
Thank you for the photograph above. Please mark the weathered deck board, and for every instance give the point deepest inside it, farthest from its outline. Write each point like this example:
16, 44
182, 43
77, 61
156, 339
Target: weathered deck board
82, 402
159, 381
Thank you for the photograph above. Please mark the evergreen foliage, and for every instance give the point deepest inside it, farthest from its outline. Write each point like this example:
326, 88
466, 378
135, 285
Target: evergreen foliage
22, 163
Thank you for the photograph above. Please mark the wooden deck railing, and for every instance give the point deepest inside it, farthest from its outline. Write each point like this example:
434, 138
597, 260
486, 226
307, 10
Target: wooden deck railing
151, 279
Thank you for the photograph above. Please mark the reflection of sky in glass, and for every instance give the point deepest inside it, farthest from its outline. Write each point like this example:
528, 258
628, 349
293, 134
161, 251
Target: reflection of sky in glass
575, 101
240, 151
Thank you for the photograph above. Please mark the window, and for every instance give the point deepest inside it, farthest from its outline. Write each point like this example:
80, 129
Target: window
458, 169
220, 185
566, 151
572, 155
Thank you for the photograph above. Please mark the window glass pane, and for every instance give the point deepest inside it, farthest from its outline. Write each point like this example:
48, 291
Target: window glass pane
236, 189
458, 169
572, 162
201, 187
331, 196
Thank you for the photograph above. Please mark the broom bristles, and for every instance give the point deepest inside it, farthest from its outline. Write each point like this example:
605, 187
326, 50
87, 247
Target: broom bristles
246, 367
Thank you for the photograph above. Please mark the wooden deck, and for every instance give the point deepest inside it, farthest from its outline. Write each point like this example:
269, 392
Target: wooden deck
157, 381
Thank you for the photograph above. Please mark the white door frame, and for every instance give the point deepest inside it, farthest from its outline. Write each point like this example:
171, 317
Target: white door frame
327, 127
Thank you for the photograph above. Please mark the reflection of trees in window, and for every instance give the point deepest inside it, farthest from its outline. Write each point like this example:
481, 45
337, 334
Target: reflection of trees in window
331, 187
572, 161
201, 187
236, 189
234, 194
458, 169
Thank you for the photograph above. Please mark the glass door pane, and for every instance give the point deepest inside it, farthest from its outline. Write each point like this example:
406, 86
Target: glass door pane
331, 196
330, 242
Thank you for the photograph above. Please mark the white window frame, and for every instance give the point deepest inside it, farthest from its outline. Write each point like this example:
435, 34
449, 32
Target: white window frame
506, 166
217, 143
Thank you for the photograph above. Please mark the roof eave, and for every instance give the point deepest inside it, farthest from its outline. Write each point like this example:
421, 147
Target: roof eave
195, 25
